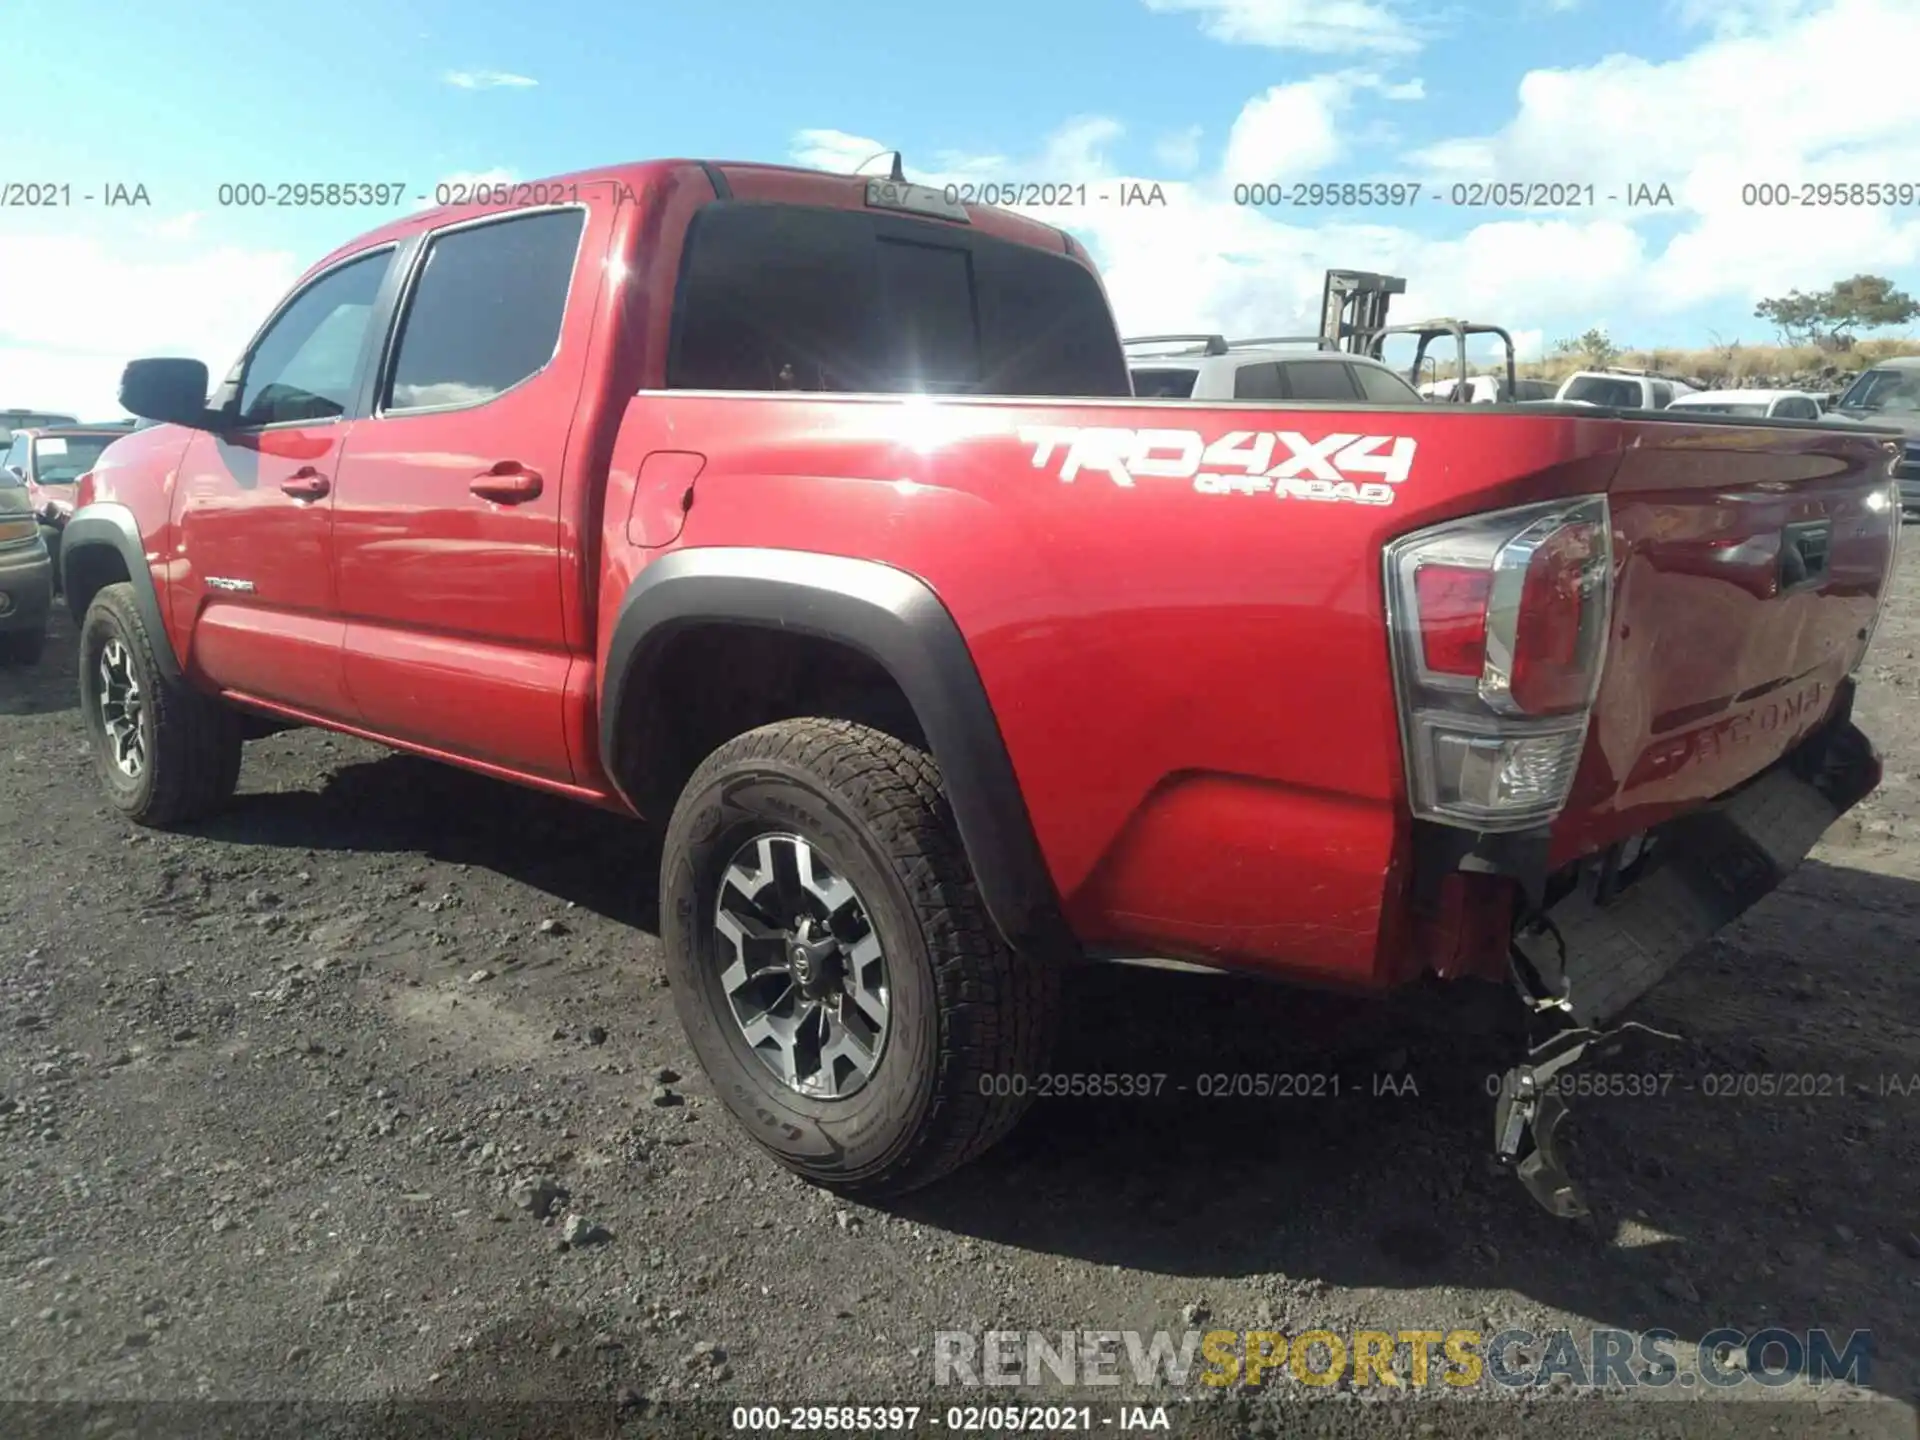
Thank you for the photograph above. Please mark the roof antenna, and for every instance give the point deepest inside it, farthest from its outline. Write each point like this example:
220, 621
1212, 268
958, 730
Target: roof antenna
897, 173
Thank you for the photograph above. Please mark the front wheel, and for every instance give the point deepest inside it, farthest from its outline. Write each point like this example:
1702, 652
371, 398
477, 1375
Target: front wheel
832, 962
164, 752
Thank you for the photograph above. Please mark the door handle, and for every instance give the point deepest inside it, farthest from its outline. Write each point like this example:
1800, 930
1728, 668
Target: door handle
306, 483
508, 483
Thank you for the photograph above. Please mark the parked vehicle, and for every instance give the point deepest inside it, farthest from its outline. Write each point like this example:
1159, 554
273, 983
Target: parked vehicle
1211, 367
1889, 395
1755, 404
12, 420
26, 577
1622, 389
1489, 390
816, 519
48, 461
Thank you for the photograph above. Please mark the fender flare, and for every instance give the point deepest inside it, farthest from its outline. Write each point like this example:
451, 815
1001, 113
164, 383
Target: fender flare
105, 525
895, 620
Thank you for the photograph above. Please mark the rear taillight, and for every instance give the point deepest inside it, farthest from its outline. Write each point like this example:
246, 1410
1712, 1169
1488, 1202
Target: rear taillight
1499, 629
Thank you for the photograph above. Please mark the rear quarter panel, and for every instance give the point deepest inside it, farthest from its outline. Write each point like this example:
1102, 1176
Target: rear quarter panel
1193, 687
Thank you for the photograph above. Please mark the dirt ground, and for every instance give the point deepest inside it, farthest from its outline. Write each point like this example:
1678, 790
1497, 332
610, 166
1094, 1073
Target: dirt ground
267, 1091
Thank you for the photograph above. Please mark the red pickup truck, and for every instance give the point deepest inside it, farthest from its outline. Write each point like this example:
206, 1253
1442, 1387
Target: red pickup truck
813, 518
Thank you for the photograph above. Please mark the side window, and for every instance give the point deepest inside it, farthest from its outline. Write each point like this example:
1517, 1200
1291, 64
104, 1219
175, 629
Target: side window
1320, 380
1662, 394
1259, 382
1795, 407
1383, 387
485, 313
16, 459
304, 366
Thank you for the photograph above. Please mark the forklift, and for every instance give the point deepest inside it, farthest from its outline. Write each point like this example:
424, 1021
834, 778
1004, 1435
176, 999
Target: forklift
1353, 317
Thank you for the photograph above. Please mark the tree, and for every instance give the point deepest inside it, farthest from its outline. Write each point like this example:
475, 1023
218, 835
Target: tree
1594, 347
1827, 318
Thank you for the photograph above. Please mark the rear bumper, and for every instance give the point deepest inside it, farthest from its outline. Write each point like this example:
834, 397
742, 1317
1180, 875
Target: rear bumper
1609, 934
26, 588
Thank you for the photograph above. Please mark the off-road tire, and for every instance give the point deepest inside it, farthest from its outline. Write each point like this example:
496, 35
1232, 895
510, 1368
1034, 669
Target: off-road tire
192, 741
970, 1015
23, 647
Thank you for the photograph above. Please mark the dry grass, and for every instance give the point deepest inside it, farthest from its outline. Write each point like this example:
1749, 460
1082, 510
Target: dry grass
1733, 364
1730, 365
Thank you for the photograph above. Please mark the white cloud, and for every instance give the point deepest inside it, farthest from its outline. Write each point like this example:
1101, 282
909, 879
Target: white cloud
487, 80
1293, 131
1179, 150
1748, 104
838, 151
1752, 105
1076, 150
1287, 133
1317, 26
75, 308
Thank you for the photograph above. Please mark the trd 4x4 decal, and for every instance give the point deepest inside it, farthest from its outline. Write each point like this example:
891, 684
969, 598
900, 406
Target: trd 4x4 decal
1358, 469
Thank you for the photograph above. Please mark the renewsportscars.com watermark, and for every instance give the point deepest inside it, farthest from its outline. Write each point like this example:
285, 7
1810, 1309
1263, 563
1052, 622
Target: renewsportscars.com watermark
1405, 1359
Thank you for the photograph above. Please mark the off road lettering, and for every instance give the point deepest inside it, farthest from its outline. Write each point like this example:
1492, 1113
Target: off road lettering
1357, 469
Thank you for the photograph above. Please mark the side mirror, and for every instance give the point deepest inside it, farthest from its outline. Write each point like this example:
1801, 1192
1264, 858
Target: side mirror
173, 392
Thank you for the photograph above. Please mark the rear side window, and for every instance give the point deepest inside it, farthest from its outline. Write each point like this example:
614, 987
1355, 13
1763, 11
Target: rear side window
304, 366
63, 459
1383, 387
1164, 384
1662, 394
790, 297
1319, 380
1259, 382
485, 313
1606, 390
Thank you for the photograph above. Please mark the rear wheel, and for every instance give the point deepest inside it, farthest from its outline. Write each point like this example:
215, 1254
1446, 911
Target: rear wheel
164, 752
832, 962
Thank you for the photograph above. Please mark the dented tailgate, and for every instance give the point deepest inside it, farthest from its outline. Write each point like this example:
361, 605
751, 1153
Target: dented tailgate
1751, 562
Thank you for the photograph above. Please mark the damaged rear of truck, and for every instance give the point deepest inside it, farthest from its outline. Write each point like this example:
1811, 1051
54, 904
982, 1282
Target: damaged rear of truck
1611, 711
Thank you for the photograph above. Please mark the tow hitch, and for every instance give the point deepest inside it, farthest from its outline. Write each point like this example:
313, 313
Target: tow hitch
1526, 1117
1619, 923
1529, 1111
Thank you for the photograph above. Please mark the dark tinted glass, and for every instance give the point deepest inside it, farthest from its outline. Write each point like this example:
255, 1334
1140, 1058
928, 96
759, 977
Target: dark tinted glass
304, 366
67, 462
1321, 380
788, 297
1164, 384
486, 311
1383, 387
1605, 390
1259, 382
929, 290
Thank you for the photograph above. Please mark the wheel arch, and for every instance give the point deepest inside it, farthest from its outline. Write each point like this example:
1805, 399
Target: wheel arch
897, 623
101, 546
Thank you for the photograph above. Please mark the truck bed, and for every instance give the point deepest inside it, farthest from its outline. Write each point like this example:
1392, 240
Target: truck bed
1117, 559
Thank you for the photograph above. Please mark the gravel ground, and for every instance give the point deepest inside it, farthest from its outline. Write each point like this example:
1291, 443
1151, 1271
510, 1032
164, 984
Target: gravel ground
371, 1092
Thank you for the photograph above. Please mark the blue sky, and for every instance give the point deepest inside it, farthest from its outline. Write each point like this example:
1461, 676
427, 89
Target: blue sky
1192, 93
